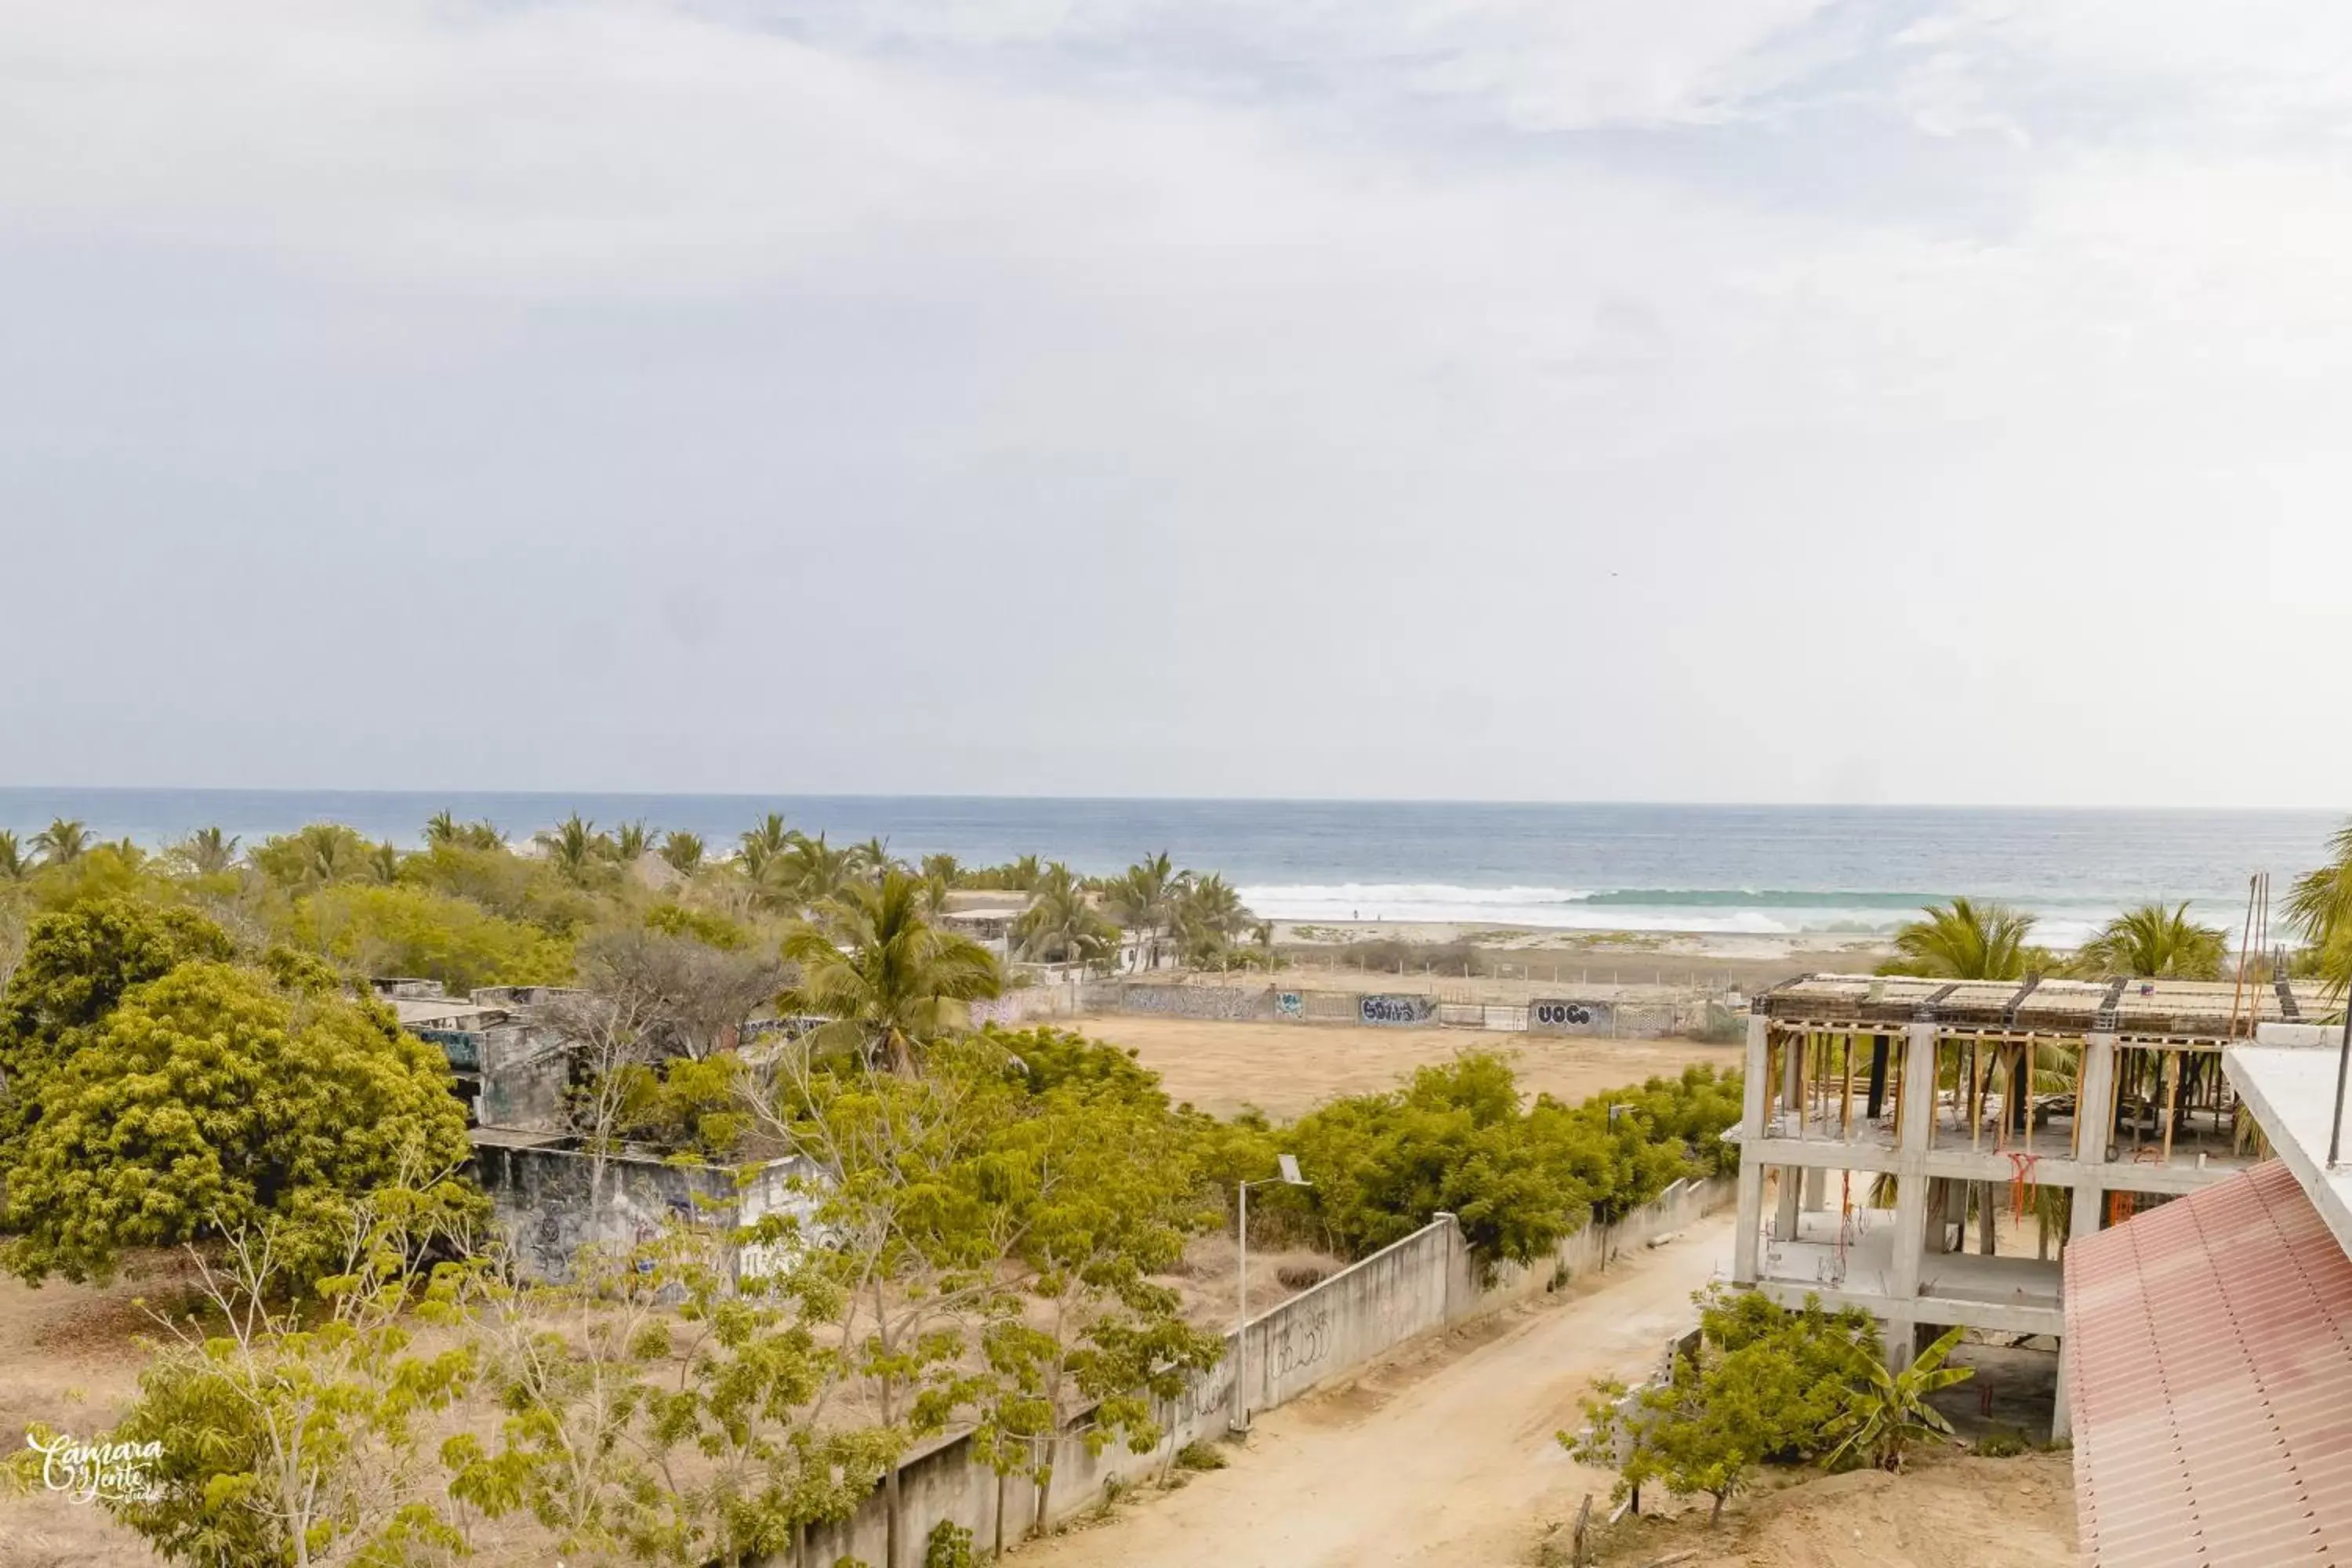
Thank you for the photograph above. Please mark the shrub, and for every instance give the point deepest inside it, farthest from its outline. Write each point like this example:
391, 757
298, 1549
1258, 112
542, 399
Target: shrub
949, 1546
1199, 1456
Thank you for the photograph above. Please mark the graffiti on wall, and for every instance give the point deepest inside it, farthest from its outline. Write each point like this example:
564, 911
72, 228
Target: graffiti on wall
1229, 1004
1559, 1016
1303, 1340
1289, 1004
1395, 1009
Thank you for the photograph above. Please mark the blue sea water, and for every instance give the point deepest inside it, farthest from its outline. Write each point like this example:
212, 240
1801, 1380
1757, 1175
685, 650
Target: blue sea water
1718, 869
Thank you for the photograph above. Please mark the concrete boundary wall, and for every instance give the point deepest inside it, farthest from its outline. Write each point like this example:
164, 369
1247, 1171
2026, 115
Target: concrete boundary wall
1236, 1003
1424, 1283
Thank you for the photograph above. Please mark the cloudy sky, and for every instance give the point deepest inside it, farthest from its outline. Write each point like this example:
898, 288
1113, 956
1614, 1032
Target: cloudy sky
1725, 400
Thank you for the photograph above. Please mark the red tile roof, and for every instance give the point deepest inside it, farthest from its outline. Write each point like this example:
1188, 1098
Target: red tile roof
2209, 1352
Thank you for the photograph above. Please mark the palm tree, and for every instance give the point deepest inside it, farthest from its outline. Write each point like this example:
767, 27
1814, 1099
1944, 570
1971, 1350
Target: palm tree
766, 839
1145, 900
384, 863
63, 840
683, 852
2155, 942
1022, 875
871, 858
1208, 915
816, 871
889, 983
441, 828
1965, 941
2320, 903
944, 869
207, 850
1061, 924
630, 841
571, 845
1891, 1411
15, 863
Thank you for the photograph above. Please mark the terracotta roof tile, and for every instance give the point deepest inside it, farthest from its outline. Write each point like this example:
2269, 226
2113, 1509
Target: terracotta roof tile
2209, 1357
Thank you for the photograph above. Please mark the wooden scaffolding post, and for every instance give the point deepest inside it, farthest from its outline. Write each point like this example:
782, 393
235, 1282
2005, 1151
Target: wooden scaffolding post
2032, 1060
1974, 1104
1845, 1101
2170, 1081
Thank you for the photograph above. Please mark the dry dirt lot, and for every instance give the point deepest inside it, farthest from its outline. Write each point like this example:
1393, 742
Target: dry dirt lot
1942, 1512
1287, 1069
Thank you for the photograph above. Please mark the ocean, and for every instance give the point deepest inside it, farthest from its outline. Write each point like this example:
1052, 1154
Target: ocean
1764, 870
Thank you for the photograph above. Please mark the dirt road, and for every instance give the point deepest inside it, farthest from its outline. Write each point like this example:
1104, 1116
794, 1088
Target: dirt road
1441, 1456
1289, 1069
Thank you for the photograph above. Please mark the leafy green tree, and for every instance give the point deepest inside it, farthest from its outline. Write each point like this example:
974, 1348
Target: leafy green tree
684, 852
209, 1100
1965, 940
571, 846
1766, 1385
1891, 1411
62, 841
630, 841
1208, 915
76, 966
872, 859
321, 854
945, 871
815, 872
293, 1435
765, 841
441, 827
16, 866
1062, 924
1106, 1195
889, 983
408, 930
2155, 942
1146, 900
207, 851
2320, 905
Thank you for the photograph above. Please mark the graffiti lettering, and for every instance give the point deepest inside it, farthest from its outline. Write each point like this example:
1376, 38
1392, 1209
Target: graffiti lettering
1393, 1009
1289, 1004
1562, 1013
1303, 1339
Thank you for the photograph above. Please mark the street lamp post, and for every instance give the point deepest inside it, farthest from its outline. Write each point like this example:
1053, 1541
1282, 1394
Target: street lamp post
1239, 1420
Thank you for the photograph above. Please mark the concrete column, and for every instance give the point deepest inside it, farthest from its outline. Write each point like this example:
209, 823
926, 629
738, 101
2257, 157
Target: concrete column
1747, 1240
1817, 1189
2061, 1417
2095, 1110
1911, 1192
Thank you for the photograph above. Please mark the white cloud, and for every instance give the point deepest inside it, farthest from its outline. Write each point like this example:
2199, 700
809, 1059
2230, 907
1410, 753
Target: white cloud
1512, 370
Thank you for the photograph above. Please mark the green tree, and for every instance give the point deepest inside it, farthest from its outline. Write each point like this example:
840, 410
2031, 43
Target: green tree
1208, 915
383, 864
1890, 1412
889, 983
207, 851
2153, 942
320, 854
684, 852
764, 842
409, 931
76, 966
571, 846
1107, 1195
2320, 905
1965, 940
1766, 1384
1062, 924
441, 827
1145, 900
296, 1435
16, 866
630, 841
209, 1100
815, 872
63, 841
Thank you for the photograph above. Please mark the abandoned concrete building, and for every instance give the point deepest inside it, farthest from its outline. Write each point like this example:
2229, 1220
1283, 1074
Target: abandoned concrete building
512, 1065
2005, 1116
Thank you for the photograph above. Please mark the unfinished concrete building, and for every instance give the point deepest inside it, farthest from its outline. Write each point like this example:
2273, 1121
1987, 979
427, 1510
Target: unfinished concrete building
1913, 1134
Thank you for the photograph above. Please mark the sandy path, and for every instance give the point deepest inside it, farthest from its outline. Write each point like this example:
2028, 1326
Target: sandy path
1441, 1455
1287, 1069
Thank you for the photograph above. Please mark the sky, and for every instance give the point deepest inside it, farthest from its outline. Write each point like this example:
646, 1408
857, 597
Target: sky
1783, 400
